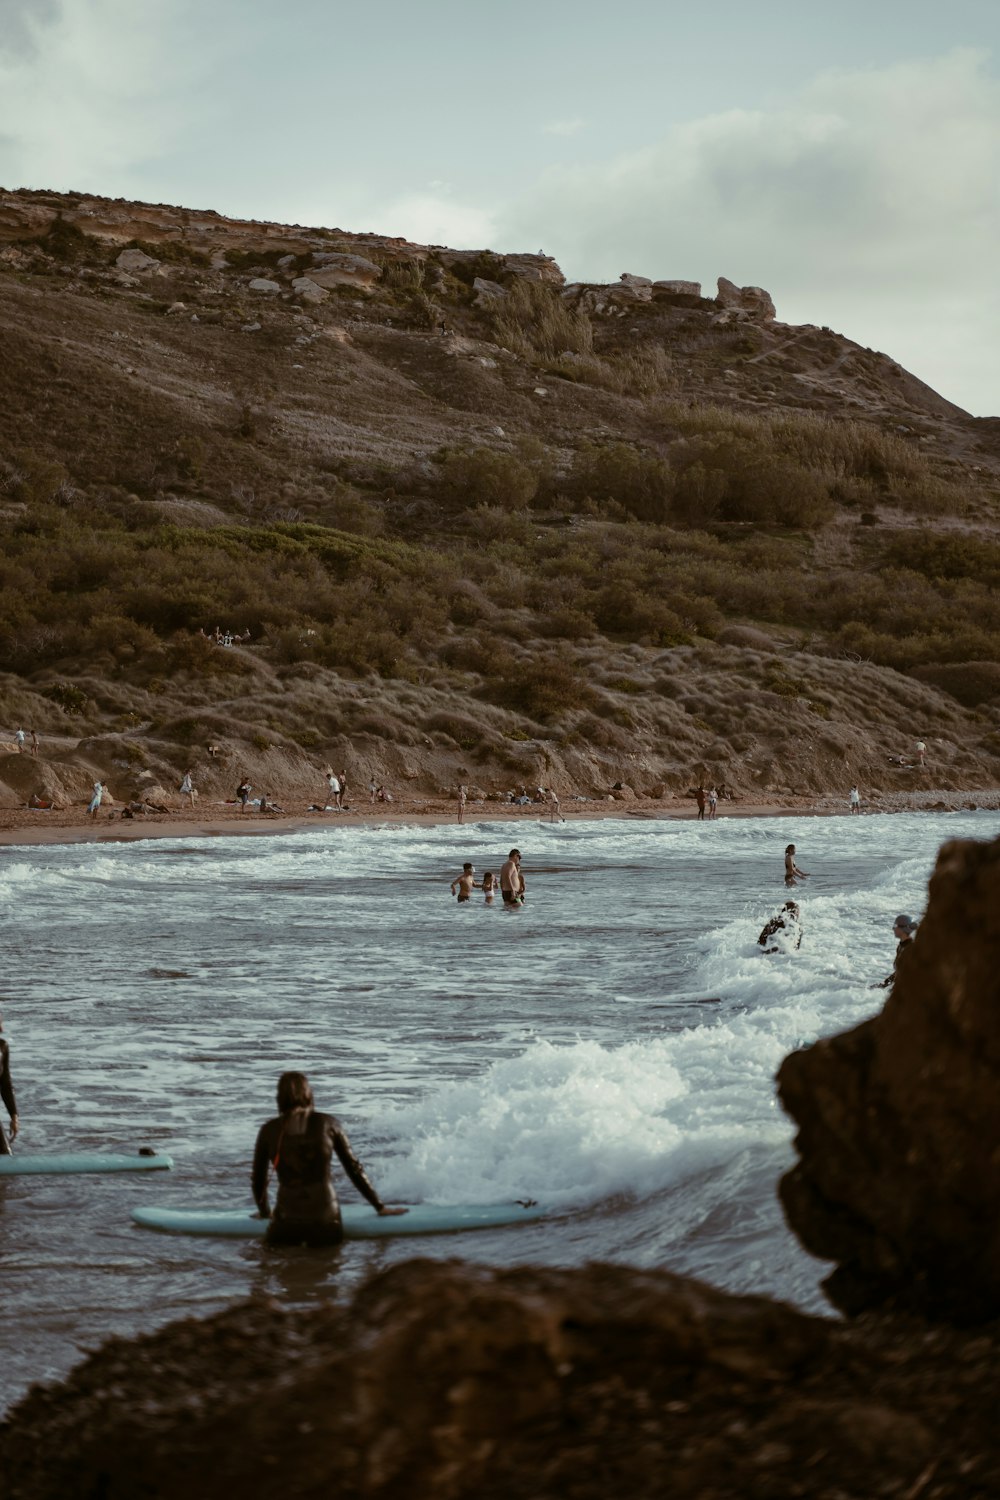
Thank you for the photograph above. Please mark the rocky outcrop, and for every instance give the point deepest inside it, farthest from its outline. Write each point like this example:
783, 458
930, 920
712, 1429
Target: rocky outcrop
899, 1125
455, 1382
751, 302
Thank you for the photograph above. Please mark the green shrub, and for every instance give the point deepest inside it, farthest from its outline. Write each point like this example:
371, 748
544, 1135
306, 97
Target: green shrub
534, 322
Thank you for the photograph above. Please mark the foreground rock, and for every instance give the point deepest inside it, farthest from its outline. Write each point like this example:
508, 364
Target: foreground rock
899, 1119
451, 1381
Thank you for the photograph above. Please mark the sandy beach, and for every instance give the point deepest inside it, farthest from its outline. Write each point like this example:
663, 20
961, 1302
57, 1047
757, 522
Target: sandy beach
72, 825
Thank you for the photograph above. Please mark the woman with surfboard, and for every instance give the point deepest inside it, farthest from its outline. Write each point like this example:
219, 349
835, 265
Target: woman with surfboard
300, 1144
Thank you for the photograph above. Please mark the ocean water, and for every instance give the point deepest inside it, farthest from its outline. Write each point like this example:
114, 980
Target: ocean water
608, 1049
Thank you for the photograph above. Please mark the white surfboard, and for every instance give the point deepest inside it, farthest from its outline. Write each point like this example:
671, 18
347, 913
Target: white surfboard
360, 1220
69, 1162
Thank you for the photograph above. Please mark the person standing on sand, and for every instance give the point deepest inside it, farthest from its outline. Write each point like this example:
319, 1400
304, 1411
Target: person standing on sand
553, 802
7, 1095
332, 788
792, 872
243, 794
300, 1145
511, 880
343, 791
465, 883
34, 743
699, 797
855, 800
462, 795
921, 750
713, 802
19, 740
372, 789
187, 788
94, 805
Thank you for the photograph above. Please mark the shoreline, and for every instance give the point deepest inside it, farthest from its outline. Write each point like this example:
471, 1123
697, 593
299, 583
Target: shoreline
27, 827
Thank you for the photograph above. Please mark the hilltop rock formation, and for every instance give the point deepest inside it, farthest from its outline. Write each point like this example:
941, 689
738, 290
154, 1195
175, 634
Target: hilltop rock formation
746, 301
899, 1122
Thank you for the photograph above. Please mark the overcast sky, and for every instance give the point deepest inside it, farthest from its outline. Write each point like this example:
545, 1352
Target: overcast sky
846, 155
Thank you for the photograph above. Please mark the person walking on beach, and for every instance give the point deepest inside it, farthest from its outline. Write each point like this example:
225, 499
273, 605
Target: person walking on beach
511, 880
187, 788
554, 814
921, 750
792, 872
332, 787
7, 1095
462, 795
713, 802
465, 883
855, 800
299, 1144
700, 799
19, 738
34, 743
343, 791
94, 805
243, 794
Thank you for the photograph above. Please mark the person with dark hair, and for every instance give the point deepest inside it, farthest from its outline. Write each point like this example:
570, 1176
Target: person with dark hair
7, 1095
511, 879
902, 930
465, 883
792, 872
299, 1145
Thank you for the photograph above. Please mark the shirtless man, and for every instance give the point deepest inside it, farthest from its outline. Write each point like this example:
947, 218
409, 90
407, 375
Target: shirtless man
511, 880
792, 872
465, 883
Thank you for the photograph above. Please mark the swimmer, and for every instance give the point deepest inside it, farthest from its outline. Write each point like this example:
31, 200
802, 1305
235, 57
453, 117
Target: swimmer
490, 886
299, 1144
792, 872
511, 880
786, 920
465, 883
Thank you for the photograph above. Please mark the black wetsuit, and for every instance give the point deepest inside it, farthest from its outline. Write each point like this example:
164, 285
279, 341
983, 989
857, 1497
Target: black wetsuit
6, 1094
300, 1146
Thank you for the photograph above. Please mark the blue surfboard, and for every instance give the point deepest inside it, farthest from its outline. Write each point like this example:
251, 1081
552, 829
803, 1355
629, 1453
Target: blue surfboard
361, 1222
69, 1162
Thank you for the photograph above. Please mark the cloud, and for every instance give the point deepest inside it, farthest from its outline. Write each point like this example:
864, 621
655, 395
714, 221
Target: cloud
563, 127
868, 202
436, 219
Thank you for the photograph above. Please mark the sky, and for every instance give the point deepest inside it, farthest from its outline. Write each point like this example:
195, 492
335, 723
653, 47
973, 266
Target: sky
846, 155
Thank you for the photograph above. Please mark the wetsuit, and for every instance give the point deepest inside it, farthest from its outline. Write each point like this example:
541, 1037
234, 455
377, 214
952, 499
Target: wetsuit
300, 1146
6, 1094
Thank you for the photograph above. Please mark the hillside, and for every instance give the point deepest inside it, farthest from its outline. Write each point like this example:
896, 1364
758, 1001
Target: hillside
471, 523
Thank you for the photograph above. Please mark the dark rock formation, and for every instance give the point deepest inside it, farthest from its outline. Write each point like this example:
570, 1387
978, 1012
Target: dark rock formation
899, 1178
448, 1381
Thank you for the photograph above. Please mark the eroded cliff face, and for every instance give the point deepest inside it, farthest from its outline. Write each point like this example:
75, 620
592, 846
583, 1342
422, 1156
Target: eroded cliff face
899, 1119
450, 1381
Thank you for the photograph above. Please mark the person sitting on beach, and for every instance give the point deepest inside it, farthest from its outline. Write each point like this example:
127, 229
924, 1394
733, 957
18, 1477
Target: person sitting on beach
7, 1095
43, 804
299, 1144
511, 880
490, 886
787, 921
792, 872
465, 883
902, 930
383, 795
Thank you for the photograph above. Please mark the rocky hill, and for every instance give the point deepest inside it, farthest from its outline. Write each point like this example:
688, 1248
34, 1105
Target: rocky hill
469, 522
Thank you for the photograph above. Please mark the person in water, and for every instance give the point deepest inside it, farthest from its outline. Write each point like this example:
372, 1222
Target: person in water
465, 883
792, 872
300, 1144
902, 930
785, 921
491, 885
7, 1095
511, 879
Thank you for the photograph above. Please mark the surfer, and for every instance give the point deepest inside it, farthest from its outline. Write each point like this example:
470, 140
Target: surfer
785, 921
511, 880
7, 1095
299, 1144
465, 883
792, 872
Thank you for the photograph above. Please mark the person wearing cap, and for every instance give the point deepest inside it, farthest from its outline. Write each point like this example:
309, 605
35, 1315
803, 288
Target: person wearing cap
903, 929
7, 1095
